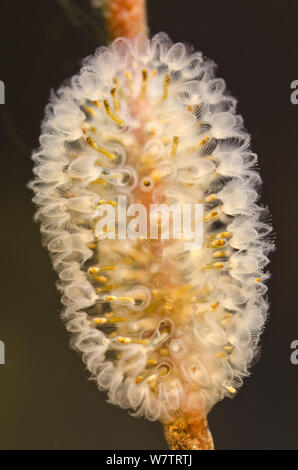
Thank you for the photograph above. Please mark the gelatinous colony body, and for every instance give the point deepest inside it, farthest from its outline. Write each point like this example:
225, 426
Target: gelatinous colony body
165, 330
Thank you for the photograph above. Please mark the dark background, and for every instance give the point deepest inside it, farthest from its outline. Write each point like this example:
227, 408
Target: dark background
46, 401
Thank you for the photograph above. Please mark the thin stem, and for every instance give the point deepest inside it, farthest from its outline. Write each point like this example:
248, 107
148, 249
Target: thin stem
125, 18
187, 432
